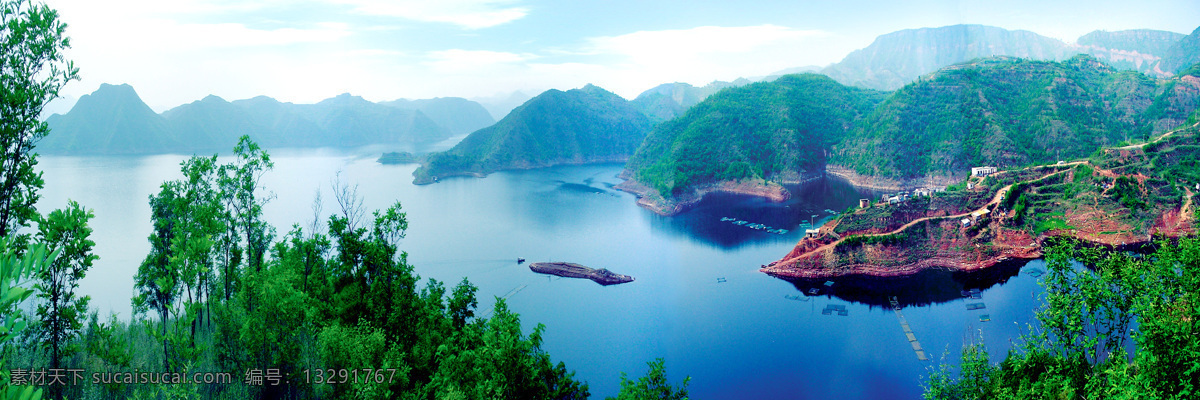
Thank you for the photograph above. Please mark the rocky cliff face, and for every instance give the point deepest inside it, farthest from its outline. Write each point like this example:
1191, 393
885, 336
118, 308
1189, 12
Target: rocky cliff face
897, 58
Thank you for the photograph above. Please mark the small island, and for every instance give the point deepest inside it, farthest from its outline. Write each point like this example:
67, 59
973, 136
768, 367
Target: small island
572, 270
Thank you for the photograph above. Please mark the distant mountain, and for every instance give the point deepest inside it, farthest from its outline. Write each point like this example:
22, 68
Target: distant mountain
1183, 54
774, 131
211, 123
500, 105
1145, 41
898, 58
1007, 112
456, 114
112, 118
283, 124
670, 100
895, 59
794, 70
1140, 49
573, 127
353, 121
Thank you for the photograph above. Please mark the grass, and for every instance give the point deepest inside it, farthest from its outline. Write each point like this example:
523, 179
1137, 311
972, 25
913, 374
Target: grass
1054, 220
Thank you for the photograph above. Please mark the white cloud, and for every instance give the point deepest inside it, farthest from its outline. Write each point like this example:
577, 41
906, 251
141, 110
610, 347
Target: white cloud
673, 46
703, 54
458, 60
469, 14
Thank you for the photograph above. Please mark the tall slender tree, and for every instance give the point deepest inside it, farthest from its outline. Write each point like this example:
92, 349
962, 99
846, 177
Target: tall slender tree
32, 70
157, 282
62, 311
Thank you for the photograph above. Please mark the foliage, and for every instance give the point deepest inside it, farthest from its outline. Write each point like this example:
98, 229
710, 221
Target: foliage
652, 386
1127, 192
579, 125
1007, 112
1020, 208
765, 130
34, 70
974, 377
1092, 298
61, 312
15, 271
1052, 221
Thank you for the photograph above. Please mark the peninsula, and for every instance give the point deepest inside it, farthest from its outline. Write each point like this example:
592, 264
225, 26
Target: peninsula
1119, 197
572, 270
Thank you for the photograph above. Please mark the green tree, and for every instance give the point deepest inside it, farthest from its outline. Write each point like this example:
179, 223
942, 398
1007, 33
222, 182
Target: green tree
240, 182
157, 282
62, 311
15, 271
33, 70
652, 386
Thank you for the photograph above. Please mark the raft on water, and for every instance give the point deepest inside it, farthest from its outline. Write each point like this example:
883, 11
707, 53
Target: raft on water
572, 270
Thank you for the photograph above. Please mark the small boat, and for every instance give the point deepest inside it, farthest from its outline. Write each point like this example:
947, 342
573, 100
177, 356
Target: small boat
520, 260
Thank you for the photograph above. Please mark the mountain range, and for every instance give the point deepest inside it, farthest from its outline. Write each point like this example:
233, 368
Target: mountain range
114, 120
998, 111
898, 58
1009, 112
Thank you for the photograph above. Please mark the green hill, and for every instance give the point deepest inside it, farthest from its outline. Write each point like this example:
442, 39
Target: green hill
763, 131
577, 126
111, 120
1009, 112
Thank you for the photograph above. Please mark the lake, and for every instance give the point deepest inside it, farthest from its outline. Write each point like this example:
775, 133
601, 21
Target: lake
699, 301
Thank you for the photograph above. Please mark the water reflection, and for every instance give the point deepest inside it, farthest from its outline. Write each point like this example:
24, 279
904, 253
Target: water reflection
730, 221
931, 286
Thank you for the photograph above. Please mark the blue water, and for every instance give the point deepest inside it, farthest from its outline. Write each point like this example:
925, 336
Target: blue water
737, 337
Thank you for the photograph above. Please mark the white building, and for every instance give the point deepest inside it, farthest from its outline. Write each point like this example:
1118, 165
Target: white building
982, 171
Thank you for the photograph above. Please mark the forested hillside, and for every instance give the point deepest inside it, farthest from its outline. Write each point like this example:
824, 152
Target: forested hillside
766, 131
1010, 112
556, 127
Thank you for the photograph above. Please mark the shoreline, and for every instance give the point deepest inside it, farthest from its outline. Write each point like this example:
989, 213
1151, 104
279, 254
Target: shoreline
887, 184
431, 179
649, 198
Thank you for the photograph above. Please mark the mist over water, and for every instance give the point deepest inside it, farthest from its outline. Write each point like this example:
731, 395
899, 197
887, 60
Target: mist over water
745, 335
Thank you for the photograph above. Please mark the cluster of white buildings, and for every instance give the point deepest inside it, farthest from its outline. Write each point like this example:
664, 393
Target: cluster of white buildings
899, 197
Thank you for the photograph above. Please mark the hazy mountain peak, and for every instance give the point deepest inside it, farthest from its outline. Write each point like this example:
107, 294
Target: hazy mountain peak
123, 92
345, 99
1144, 41
897, 58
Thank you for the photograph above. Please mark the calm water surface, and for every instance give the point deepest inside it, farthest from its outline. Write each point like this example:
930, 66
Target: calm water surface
698, 301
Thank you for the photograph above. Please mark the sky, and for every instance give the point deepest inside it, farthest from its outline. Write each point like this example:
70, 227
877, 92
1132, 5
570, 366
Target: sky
174, 52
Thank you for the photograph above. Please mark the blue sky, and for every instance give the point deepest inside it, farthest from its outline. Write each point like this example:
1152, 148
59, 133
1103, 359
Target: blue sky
177, 51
